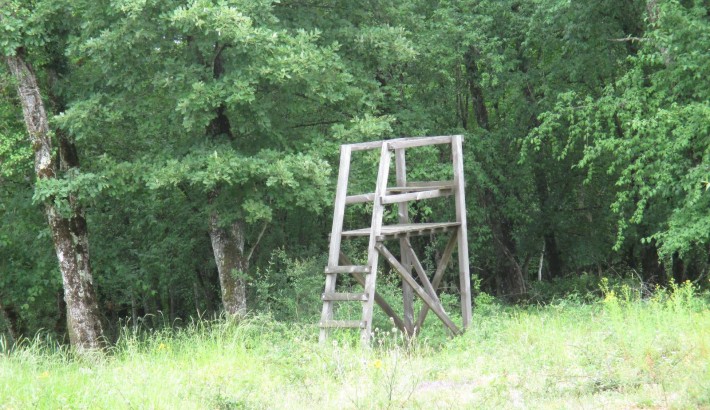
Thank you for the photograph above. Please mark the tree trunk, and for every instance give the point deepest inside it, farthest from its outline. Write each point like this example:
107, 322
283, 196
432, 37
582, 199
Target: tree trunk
6, 316
69, 234
227, 244
232, 264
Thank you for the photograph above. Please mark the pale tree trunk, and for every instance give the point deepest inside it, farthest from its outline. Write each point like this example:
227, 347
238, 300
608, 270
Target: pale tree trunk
9, 325
232, 264
69, 234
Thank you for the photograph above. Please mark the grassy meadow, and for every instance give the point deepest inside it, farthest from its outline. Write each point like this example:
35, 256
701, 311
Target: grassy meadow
619, 352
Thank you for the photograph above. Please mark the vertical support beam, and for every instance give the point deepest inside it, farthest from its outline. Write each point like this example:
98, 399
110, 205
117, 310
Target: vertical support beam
372, 254
464, 273
335, 235
403, 211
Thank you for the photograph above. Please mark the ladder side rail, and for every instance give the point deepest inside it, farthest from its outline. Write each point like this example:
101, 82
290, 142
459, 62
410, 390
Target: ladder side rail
335, 236
372, 254
403, 215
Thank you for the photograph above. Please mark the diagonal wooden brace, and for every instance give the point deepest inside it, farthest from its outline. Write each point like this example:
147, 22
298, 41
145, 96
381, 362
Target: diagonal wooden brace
428, 300
426, 284
445, 258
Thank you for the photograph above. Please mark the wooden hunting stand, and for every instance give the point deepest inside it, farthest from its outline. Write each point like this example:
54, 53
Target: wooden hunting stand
402, 194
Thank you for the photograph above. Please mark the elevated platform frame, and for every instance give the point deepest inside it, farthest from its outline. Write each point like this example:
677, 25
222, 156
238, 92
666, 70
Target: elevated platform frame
378, 234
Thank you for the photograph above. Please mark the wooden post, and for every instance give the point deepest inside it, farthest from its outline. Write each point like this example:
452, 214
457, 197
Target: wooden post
403, 210
335, 235
372, 254
464, 273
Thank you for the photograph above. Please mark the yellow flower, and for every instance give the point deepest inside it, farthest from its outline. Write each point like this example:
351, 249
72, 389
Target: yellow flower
43, 375
377, 364
162, 346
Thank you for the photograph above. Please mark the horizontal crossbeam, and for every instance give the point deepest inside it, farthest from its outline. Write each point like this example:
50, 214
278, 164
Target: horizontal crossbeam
355, 324
347, 269
401, 230
344, 297
401, 143
416, 196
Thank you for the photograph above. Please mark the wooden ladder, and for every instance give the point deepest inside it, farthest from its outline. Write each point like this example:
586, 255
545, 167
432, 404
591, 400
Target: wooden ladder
366, 275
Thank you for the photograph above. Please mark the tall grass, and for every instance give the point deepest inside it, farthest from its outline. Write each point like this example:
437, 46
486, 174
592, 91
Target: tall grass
620, 352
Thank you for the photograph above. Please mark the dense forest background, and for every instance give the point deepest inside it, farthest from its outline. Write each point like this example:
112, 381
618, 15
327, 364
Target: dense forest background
192, 146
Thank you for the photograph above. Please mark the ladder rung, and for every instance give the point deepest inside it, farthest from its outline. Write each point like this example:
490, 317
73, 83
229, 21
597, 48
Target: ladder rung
356, 324
347, 269
343, 297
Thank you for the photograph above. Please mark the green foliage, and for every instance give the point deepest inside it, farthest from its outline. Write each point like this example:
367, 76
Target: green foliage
586, 134
649, 130
288, 288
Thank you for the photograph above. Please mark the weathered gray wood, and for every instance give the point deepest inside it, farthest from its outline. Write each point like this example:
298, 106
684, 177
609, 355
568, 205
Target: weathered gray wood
372, 255
403, 189
344, 297
430, 184
433, 305
335, 235
416, 196
339, 208
401, 143
421, 273
438, 275
329, 324
360, 198
417, 186
395, 231
419, 141
401, 194
381, 302
403, 216
364, 146
347, 269
460, 201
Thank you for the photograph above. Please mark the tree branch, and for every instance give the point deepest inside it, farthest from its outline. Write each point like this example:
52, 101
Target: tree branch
258, 239
629, 38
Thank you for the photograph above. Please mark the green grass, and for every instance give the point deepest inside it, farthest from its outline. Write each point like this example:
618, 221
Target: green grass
618, 353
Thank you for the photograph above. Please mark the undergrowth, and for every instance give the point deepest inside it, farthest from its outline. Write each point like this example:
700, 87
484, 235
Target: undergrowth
622, 350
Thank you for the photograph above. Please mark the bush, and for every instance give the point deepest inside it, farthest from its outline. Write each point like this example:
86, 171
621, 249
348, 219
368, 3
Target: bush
290, 288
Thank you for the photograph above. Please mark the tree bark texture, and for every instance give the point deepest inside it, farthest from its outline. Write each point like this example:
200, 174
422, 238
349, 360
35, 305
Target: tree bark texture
232, 263
70, 233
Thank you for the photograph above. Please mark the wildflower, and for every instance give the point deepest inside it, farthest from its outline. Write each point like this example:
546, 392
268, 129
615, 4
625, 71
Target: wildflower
43, 375
162, 346
377, 364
